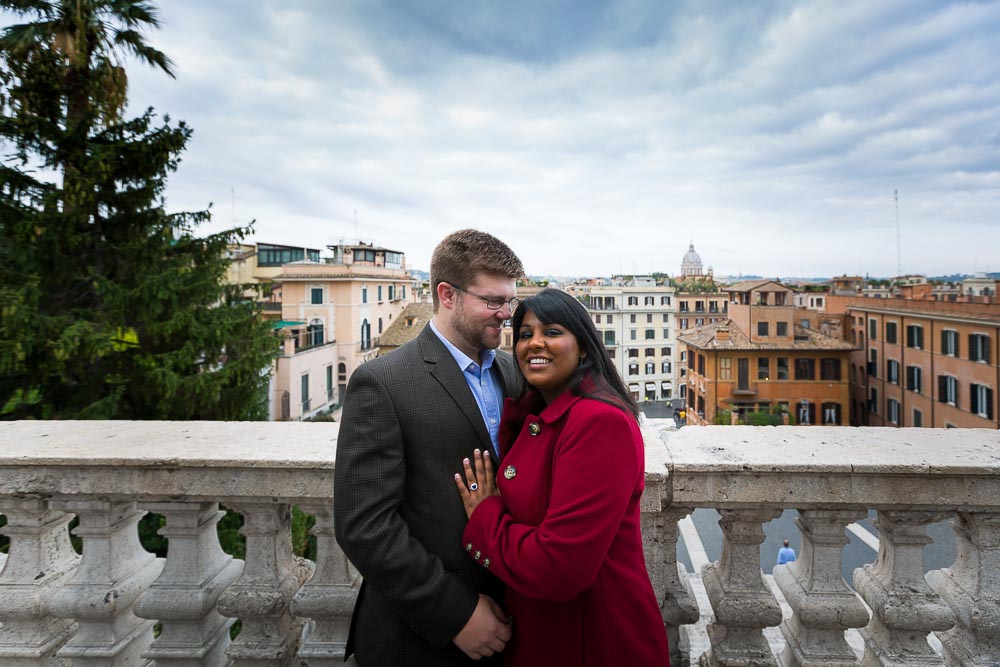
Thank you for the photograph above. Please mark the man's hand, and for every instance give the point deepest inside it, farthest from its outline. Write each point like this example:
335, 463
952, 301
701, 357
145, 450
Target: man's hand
486, 632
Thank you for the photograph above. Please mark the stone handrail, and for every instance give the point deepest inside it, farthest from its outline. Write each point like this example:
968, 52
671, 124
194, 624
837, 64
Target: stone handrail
100, 608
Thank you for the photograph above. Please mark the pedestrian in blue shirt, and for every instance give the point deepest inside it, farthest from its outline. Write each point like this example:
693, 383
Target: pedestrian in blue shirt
786, 554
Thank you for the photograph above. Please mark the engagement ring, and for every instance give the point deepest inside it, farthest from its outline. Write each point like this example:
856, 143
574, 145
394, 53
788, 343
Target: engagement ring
473, 486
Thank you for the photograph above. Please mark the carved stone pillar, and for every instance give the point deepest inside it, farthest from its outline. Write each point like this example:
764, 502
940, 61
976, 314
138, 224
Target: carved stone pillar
260, 598
971, 587
670, 580
823, 606
328, 598
904, 608
183, 599
40, 558
114, 570
741, 599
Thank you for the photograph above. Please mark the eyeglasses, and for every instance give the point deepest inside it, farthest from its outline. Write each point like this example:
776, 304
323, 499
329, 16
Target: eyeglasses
492, 302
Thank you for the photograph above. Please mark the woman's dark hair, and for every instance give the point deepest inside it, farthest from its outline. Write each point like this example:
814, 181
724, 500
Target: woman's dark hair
596, 376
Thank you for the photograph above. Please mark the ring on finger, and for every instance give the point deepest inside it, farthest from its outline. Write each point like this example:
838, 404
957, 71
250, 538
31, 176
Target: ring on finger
473, 487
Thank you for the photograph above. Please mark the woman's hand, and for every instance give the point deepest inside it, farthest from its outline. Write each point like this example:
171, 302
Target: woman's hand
479, 483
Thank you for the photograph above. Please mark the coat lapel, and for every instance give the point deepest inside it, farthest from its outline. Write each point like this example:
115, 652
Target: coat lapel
450, 376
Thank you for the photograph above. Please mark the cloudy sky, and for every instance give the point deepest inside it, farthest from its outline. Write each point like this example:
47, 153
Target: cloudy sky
597, 137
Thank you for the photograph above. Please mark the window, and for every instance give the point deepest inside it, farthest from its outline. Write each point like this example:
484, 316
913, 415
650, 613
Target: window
949, 343
364, 294
633, 301
392, 292
609, 337
650, 334
981, 400
329, 383
664, 301
699, 321
611, 353
631, 319
805, 369
890, 332
611, 319
782, 368
366, 335
380, 294
914, 378
633, 353
829, 369
684, 355
665, 352
892, 406
649, 318
872, 363
314, 333
597, 318
872, 328
892, 371
701, 365
667, 367
979, 348
948, 389
666, 317
831, 414
684, 323
725, 368
402, 295
915, 336
650, 351
304, 388
633, 334
918, 417
316, 296
380, 325
762, 328
684, 307
633, 368
807, 413
873, 401
649, 301
650, 368
782, 329
763, 368
666, 333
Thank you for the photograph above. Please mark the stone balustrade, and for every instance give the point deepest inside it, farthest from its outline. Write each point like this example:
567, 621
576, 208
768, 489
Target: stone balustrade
117, 604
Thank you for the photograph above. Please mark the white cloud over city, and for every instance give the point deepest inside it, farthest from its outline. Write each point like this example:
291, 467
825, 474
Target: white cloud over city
597, 138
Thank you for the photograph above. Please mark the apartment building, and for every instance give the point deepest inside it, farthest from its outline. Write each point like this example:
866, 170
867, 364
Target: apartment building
637, 322
767, 354
332, 314
925, 363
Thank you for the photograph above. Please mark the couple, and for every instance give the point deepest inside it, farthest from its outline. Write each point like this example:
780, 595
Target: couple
541, 563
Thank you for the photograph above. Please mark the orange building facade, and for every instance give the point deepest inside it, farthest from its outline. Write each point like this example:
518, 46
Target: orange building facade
924, 363
768, 355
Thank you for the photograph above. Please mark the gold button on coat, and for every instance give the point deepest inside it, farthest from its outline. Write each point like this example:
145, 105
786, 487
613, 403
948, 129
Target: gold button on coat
510, 472
534, 428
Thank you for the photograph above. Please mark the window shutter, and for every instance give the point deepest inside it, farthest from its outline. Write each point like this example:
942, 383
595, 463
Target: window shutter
973, 398
972, 346
986, 350
989, 404
942, 389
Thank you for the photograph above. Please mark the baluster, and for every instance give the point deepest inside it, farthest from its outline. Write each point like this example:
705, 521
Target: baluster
183, 598
269, 634
971, 587
40, 559
328, 597
114, 570
678, 606
741, 599
904, 608
822, 603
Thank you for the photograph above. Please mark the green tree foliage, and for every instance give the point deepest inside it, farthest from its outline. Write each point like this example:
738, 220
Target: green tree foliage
111, 307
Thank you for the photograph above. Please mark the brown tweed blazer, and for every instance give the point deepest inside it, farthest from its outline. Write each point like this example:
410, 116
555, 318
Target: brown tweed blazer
409, 419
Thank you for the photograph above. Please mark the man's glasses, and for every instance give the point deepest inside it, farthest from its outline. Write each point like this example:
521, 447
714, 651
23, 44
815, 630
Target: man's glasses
492, 302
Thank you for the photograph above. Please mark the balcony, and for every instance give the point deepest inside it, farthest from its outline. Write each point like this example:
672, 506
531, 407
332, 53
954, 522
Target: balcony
100, 608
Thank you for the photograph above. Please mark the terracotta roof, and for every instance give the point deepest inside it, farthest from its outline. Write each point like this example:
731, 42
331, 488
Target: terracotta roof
748, 285
705, 338
399, 332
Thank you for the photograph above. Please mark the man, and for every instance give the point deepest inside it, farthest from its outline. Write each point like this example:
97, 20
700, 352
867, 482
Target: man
409, 420
786, 554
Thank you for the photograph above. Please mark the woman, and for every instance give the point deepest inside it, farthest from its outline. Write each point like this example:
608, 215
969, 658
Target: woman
560, 523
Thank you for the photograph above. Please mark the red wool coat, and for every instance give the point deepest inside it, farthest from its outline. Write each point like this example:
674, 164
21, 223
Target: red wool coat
564, 536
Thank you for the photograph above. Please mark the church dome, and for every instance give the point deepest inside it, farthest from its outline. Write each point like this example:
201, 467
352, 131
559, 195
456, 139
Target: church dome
691, 265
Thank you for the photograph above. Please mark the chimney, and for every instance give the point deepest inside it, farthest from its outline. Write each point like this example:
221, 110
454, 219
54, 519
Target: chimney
722, 334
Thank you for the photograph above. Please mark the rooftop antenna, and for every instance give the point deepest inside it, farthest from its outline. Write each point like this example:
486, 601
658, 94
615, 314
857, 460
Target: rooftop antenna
899, 248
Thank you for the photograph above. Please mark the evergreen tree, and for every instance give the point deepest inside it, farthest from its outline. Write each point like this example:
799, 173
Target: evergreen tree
111, 307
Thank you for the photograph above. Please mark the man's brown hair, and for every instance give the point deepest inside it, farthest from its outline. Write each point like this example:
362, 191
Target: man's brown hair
461, 256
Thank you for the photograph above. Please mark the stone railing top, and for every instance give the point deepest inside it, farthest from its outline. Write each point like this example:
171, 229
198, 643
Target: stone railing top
169, 460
